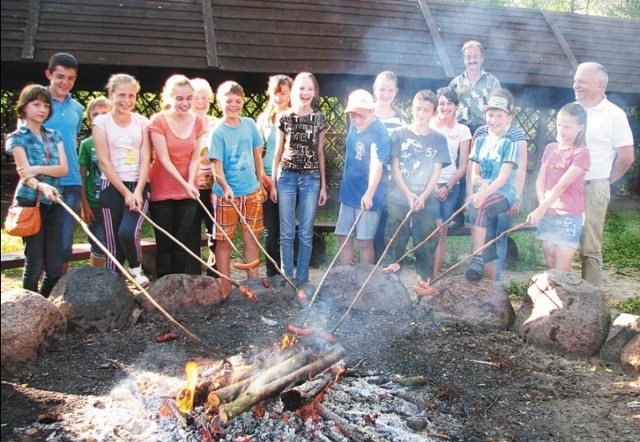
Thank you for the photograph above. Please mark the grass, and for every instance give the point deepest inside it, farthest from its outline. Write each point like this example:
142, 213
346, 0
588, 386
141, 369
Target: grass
621, 245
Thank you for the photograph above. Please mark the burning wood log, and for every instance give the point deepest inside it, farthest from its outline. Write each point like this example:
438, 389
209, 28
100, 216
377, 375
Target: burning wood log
231, 392
352, 433
296, 397
258, 393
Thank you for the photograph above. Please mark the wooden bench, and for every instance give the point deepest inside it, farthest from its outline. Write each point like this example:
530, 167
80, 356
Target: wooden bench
321, 228
80, 252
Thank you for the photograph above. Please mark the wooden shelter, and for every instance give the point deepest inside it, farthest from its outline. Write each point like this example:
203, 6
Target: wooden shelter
346, 43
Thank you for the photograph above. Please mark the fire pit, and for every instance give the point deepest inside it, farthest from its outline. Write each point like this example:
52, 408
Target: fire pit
404, 380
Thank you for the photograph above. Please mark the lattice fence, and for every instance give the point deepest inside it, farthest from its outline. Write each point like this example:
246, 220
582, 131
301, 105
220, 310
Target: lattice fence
333, 107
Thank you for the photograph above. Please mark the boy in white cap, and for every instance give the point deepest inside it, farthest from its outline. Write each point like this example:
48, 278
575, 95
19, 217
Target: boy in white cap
493, 161
367, 153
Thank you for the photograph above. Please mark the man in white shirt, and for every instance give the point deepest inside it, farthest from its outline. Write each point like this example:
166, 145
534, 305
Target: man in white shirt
610, 144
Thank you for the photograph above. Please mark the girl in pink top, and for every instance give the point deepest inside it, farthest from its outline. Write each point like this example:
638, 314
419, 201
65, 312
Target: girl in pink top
560, 189
175, 137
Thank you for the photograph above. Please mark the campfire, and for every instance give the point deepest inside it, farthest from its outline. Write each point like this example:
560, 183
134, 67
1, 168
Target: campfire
296, 371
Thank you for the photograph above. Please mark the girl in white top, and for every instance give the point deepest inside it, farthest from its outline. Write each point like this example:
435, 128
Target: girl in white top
459, 143
122, 146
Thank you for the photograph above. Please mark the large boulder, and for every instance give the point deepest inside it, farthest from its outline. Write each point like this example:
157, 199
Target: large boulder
93, 299
565, 314
180, 292
383, 292
624, 328
30, 324
481, 305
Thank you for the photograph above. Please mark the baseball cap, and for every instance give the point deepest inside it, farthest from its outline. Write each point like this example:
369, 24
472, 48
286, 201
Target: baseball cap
359, 99
497, 102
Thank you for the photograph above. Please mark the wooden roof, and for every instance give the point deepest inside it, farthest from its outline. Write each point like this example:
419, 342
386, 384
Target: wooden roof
346, 43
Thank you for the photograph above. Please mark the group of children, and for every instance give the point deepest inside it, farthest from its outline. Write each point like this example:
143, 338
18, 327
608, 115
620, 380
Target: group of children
401, 178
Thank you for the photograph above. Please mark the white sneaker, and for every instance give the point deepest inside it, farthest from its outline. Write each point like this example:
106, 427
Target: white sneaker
139, 276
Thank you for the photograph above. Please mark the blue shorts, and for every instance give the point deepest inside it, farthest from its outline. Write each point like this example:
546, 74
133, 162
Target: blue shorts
561, 230
366, 228
444, 209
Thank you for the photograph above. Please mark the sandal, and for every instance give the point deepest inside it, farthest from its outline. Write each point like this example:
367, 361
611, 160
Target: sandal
475, 271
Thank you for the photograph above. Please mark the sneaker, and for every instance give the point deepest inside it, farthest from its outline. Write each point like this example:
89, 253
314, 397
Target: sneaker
475, 270
139, 276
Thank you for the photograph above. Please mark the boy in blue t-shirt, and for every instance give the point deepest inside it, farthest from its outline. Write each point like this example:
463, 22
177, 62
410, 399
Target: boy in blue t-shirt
493, 161
367, 152
236, 155
418, 154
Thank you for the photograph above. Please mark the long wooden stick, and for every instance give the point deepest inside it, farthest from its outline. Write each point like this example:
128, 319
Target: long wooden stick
386, 249
266, 254
186, 249
331, 264
127, 275
432, 234
226, 236
480, 249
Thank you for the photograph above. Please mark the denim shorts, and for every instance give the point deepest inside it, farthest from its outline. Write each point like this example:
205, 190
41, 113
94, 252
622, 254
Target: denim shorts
445, 209
561, 230
366, 228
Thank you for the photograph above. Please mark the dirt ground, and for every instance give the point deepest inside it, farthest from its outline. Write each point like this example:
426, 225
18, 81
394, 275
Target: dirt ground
498, 388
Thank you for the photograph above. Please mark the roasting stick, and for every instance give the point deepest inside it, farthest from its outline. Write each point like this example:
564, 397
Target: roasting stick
226, 236
331, 264
432, 234
120, 267
273, 261
384, 252
480, 249
186, 249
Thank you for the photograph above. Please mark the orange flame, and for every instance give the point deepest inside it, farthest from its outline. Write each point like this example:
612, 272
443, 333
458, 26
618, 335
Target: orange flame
184, 399
288, 340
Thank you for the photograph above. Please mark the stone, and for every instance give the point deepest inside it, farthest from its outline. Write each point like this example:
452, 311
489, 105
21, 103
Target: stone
564, 314
481, 305
181, 292
384, 292
30, 325
630, 356
93, 299
624, 328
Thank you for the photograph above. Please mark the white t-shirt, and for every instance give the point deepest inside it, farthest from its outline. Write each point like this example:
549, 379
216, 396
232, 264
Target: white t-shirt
455, 136
607, 129
125, 144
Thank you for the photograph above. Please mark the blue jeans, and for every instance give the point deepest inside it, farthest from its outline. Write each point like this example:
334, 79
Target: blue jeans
72, 197
504, 222
305, 188
42, 251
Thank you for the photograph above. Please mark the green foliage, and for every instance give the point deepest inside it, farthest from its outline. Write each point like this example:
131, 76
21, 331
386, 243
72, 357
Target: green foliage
631, 305
607, 8
622, 239
517, 290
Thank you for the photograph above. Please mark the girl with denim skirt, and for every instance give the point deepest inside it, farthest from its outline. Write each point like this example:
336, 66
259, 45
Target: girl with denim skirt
560, 189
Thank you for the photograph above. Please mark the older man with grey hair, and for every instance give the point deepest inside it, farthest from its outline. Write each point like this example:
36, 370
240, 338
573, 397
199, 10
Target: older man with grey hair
610, 144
